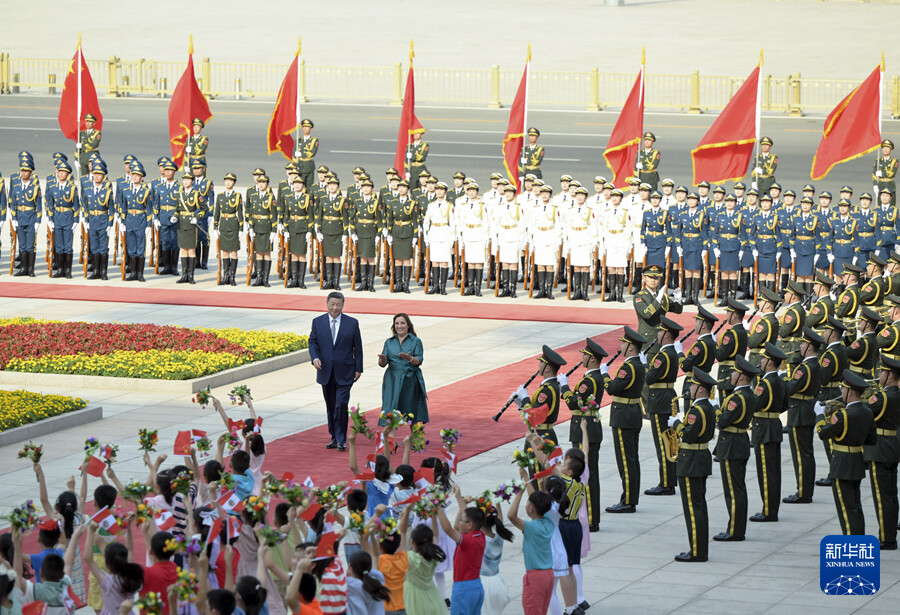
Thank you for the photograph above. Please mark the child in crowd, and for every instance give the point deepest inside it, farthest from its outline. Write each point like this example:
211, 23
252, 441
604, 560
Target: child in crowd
447, 545
123, 579
366, 593
380, 487
496, 590
66, 508
54, 588
420, 593
468, 594
537, 535
393, 564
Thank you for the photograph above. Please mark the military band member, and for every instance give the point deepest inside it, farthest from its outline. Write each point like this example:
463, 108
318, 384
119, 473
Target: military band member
889, 338
824, 304
733, 447
190, 206
305, 154
692, 242
848, 301
732, 344
204, 186
262, 221
228, 220
662, 372
701, 354
507, 227
546, 233
850, 429
647, 166
579, 237
804, 242
137, 216
887, 223
766, 328
790, 326
63, 205
617, 242
625, 418
197, 144
532, 155
97, 209
833, 362
764, 167
365, 230
868, 227
767, 435
588, 391
652, 303
165, 203
885, 171
874, 290
802, 389
547, 393
892, 273
863, 353
88, 143
882, 457
332, 221
694, 464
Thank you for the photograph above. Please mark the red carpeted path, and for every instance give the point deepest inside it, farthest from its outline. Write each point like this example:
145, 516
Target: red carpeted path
560, 310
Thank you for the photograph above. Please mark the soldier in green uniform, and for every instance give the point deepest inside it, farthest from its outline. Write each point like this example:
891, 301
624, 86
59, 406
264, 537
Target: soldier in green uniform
733, 447
262, 219
764, 166
662, 373
732, 344
652, 302
197, 144
532, 156
189, 208
365, 228
333, 218
547, 393
873, 291
647, 166
228, 220
863, 352
298, 219
458, 191
885, 171
416, 153
848, 301
889, 338
286, 185
792, 322
625, 417
766, 328
305, 154
824, 304
694, 464
402, 219
882, 457
702, 353
833, 363
893, 270
584, 403
850, 429
88, 143
766, 433
802, 388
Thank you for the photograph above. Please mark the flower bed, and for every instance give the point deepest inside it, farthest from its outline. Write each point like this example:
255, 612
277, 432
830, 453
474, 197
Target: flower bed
19, 408
134, 351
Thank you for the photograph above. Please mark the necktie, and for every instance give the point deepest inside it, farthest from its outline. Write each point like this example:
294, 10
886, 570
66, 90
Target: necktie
96, 190
333, 331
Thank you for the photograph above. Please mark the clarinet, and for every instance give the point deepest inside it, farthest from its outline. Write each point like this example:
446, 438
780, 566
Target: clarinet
614, 357
509, 402
572, 371
686, 335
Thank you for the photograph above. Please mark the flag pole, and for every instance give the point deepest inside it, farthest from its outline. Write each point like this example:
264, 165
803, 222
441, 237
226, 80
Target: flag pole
408, 173
637, 156
78, 107
297, 107
758, 118
523, 160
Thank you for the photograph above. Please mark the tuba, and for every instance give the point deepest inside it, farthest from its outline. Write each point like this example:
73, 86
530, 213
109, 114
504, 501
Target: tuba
671, 439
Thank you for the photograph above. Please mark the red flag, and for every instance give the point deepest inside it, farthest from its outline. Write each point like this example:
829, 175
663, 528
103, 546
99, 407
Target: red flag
409, 124
234, 527
451, 459
286, 115
622, 148
164, 520
310, 513
95, 466
215, 530
183, 443
325, 548
515, 130
412, 499
853, 129
543, 473
187, 103
79, 97
727, 147
34, 608
537, 414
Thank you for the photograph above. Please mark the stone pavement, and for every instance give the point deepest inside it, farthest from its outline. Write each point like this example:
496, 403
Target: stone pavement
630, 567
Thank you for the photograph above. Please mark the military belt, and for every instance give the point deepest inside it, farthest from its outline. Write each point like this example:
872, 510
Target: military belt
882, 432
726, 363
25, 209
766, 415
581, 413
543, 427
98, 212
260, 217
439, 224
802, 397
860, 370
694, 447
532, 166
304, 159
367, 220
732, 429
836, 384
550, 228
890, 356
471, 225
763, 176
756, 350
168, 208
65, 209
136, 212
662, 385
514, 226
843, 241
765, 236
228, 216
728, 235
332, 218
653, 233
626, 400
402, 222
841, 448
297, 217
867, 234
691, 235
792, 339
611, 232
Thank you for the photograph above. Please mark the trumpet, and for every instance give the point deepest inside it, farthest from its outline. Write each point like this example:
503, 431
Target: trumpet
671, 440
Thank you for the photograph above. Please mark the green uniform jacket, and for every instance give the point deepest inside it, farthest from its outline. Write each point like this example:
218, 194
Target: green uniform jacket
577, 401
649, 311
333, 215
190, 205
402, 219
649, 160
698, 427
262, 212
365, 218
863, 354
228, 219
854, 426
790, 331
769, 395
196, 147
625, 387
765, 330
885, 407
305, 153
893, 286
888, 340
534, 156
732, 344
767, 162
416, 163
888, 167
297, 215
872, 294
846, 307
834, 362
661, 376
802, 388
819, 312
702, 354
736, 412
90, 143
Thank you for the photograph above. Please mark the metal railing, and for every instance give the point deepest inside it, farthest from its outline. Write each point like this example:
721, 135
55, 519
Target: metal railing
491, 87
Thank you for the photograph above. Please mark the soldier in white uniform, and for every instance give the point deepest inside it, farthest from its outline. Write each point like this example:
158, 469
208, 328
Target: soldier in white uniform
439, 227
563, 193
618, 234
544, 239
636, 216
630, 199
472, 228
508, 233
668, 199
579, 230
496, 191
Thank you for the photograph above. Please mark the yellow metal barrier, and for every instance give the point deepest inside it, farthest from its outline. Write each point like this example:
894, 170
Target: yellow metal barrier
492, 87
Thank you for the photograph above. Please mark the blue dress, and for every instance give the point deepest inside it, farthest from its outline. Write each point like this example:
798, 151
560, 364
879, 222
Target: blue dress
403, 387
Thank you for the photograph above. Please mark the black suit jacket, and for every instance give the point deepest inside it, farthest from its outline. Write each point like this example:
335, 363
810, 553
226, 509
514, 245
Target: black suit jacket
343, 358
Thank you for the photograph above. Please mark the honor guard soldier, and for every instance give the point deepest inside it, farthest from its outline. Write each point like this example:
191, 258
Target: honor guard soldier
123, 184
532, 155
547, 393
353, 191
656, 232
732, 344
824, 304
472, 223
615, 228
298, 219
262, 220
885, 171
286, 185
402, 220
804, 243
846, 192
204, 187
767, 434
848, 301
882, 457
887, 223
333, 217
305, 154
702, 353
675, 275
766, 328
439, 228
508, 231
764, 167
545, 238
191, 207
580, 238
694, 464
802, 389
692, 243
668, 198
787, 225
625, 418
458, 191
416, 153
790, 327
728, 245
584, 403
88, 143
25, 213
850, 429
365, 229
228, 220
833, 362
63, 205
749, 219
867, 225
165, 201
197, 144
892, 274
733, 447
765, 241
863, 353
137, 216
647, 166
662, 373
845, 237
873, 291
98, 208
825, 234
319, 189
652, 303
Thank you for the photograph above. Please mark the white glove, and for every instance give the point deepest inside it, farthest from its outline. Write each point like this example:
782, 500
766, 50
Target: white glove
819, 408
680, 252
854, 259
14, 223
272, 237
668, 249
639, 166
897, 248
252, 233
830, 257
344, 241
563, 380
714, 403
740, 254
75, 226
793, 254
782, 372
320, 236
875, 190
604, 369
50, 224
833, 295
408, 155
353, 237
717, 252
156, 222
308, 237
78, 147
522, 393
287, 235
753, 185
676, 296
173, 219
878, 174
758, 170
280, 228
194, 221
755, 254
390, 240
702, 254
116, 218
643, 357
746, 324
672, 420
147, 234
213, 234
109, 232
679, 347
660, 294
384, 232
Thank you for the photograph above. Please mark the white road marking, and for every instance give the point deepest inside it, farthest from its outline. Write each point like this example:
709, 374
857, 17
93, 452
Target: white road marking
497, 144
500, 132
29, 129
497, 157
45, 117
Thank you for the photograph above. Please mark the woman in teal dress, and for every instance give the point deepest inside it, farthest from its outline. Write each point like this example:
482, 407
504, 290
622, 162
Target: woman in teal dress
403, 387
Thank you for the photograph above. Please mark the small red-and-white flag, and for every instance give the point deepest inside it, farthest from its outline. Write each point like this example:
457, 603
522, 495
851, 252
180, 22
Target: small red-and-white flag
107, 520
229, 501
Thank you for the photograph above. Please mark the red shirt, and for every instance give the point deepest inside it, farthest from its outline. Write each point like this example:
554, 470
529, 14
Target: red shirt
221, 568
468, 556
158, 578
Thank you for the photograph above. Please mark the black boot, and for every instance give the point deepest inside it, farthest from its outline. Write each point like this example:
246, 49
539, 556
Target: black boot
513, 283
226, 269
93, 268
724, 285
68, 265
336, 276
441, 280
710, 282
360, 275
504, 283
175, 257
537, 284
698, 287
104, 266
266, 270
256, 276
90, 262
636, 280
432, 280
23, 270
184, 271
191, 266
479, 277
407, 273
139, 263
130, 268
59, 265
611, 291
576, 293
620, 284
585, 286
470, 282
548, 285
294, 267
301, 274
370, 284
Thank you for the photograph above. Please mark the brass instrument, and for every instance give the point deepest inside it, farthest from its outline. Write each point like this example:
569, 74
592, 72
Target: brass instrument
671, 440
874, 389
832, 406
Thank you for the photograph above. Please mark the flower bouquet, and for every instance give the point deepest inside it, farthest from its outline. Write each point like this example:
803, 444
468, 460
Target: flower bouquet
432, 501
91, 446
484, 502
180, 544
24, 517
135, 491
257, 507
391, 419
295, 495
143, 513
148, 439
150, 604
384, 528
204, 445
32, 452
234, 443
109, 453
547, 446
270, 536
182, 482
525, 459
359, 423
238, 394
506, 491
202, 397
417, 439
188, 586
329, 497
356, 522
589, 405
450, 438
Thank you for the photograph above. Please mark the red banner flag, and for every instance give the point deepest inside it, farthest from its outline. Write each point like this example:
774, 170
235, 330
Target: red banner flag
622, 148
725, 150
286, 115
515, 130
409, 124
853, 128
79, 97
187, 103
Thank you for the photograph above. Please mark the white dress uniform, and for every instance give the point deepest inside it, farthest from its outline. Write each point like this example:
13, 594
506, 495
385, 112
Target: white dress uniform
439, 227
636, 217
616, 229
472, 226
579, 229
508, 230
545, 235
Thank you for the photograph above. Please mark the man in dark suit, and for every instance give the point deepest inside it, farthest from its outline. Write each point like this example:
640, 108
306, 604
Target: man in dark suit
335, 347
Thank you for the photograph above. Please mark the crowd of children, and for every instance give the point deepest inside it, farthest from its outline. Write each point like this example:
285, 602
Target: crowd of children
211, 546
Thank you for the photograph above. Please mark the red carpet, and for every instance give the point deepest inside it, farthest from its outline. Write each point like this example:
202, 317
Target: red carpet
560, 310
